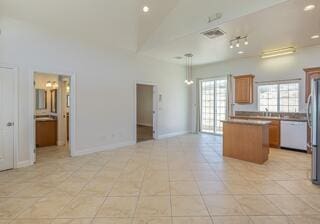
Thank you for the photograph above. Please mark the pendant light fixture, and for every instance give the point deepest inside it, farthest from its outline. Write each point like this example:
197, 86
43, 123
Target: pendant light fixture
188, 80
49, 84
55, 85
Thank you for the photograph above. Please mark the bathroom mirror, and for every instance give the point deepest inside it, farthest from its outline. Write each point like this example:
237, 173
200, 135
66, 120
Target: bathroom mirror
41, 99
54, 101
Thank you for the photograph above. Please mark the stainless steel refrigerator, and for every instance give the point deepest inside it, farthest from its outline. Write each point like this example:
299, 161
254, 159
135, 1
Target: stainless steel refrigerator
314, 123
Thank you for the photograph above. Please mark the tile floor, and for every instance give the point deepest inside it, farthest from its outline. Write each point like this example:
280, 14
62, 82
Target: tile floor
182, 180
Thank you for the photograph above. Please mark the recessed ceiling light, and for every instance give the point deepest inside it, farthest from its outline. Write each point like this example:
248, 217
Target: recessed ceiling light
146, 9
240, 52
309, 7
315, 36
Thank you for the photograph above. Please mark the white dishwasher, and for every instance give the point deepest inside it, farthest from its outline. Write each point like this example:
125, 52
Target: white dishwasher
294, 135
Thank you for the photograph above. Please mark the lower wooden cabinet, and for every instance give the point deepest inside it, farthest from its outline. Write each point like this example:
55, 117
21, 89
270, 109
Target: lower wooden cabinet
46, 133
274, 134
274, 130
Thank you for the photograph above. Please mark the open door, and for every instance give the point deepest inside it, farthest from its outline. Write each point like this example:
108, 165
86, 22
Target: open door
146, 112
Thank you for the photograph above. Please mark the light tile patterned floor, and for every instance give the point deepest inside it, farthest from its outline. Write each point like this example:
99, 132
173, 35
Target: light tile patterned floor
182, 180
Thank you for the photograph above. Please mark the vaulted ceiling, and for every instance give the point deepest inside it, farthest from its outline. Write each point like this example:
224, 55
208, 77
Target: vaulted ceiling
173, 27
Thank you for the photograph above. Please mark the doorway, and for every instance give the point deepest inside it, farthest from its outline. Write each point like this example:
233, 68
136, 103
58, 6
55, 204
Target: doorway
146, 103
8, 118
213, 104
52, 110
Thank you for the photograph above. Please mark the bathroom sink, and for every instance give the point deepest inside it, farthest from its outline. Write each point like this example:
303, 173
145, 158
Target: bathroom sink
45, 119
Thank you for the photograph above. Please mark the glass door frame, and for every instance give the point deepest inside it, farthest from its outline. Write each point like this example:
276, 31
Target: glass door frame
199, 86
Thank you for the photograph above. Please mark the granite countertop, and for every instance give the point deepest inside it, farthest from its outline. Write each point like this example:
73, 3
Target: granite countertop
269, 118
249, 122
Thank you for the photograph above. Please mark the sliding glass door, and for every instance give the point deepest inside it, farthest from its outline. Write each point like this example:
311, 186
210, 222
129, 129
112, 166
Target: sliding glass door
213, 105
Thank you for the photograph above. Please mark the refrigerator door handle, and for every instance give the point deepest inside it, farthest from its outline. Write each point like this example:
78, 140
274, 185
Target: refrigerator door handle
309, 111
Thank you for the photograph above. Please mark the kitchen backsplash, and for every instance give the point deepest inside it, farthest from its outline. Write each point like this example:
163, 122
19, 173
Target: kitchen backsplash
273, 114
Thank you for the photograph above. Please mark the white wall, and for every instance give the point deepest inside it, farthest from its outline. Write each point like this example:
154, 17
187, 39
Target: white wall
105, 86
279, 68
145, 105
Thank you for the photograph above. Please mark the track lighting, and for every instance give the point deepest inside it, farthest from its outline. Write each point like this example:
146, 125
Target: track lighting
238, 41
246, 42
238, 44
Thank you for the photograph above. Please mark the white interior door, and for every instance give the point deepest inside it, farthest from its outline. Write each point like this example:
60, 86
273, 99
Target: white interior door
6, 118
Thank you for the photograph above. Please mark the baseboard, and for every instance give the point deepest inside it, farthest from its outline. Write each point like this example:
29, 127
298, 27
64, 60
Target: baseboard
25, 163
173, 134
61, 143
102, 148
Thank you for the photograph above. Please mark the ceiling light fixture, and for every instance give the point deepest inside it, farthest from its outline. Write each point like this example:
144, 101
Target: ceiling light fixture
238, 40
240, 52
309, 8
238, 44
246, 42
315, 36
278, 52
55, 85
49, 84
188, 80
145, 9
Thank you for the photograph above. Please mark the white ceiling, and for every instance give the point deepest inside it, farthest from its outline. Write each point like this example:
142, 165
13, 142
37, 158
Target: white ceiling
172, 27
282, 25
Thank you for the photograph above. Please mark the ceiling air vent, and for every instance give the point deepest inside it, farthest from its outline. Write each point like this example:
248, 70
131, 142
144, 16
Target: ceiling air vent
214, 33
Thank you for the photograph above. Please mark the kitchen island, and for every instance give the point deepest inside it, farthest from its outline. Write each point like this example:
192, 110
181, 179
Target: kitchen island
246, 140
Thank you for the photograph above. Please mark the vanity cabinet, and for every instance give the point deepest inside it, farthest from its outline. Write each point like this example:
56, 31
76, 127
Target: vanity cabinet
46, 133
244, 89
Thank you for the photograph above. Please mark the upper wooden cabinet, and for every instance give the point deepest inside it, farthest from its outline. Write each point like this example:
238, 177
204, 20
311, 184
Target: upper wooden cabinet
244, 89
311, 73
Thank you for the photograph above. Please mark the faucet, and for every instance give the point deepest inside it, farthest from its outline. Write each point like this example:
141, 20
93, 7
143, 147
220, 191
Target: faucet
267, 112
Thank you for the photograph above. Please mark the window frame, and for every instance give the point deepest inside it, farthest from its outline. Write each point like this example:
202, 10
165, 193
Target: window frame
278, 83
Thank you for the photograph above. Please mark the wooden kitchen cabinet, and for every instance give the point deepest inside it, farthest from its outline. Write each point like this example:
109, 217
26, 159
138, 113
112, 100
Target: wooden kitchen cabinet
274, 129
244, 89
274, 134
311, 73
